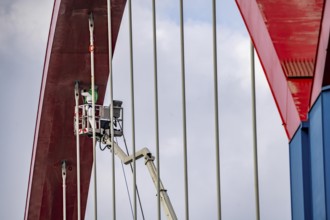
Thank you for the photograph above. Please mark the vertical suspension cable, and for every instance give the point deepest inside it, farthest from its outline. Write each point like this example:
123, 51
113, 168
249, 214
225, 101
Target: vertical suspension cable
64, 187
77, 149
132, 103
111, 110
91, 48
156, 104
255, 143
137, 189
125, 178
216, 106
127, 189
184, 112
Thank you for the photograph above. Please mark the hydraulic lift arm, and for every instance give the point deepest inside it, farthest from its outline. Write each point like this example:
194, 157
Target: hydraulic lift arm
149, 162
102, 128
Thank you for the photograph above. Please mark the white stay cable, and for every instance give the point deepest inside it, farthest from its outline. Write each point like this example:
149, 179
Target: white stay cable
184, 115
132, 103
255, 141
216, 108
91, 49
111, 110
156, 104
64, 188
77, 149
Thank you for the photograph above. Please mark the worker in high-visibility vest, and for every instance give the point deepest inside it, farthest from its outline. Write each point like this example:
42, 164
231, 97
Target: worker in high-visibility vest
88, 100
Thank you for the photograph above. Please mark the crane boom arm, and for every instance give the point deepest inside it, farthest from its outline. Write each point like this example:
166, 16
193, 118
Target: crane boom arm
149, 162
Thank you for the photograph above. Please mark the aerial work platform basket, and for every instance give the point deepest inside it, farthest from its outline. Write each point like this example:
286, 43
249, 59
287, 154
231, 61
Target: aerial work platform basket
102, 120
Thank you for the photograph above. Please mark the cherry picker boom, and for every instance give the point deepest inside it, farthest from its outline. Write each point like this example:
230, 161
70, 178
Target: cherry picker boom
149, 162
103, 126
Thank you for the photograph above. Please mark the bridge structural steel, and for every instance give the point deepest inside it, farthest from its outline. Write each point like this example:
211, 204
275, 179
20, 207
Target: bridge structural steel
292, 41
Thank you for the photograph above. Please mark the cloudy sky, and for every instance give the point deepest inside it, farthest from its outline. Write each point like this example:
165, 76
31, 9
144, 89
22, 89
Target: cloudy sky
24, 26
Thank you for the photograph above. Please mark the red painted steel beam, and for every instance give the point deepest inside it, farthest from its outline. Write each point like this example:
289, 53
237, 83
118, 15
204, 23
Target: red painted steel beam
293, 26
322, 69
294, 29
67, 59
271, 64
285, 34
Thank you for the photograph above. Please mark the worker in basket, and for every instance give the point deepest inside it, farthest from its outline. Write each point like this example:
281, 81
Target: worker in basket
88, 100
